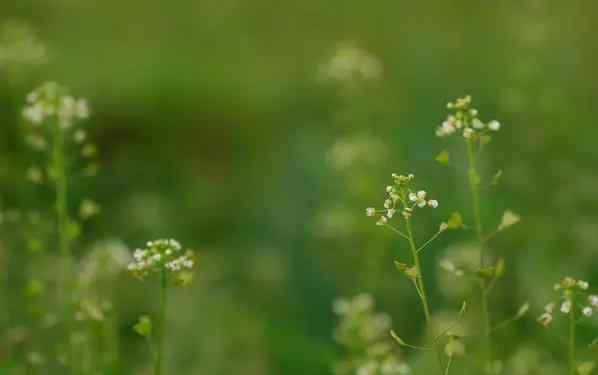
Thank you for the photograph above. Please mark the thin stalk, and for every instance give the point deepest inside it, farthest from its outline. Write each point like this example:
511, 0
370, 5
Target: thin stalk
477, 218
161, 323
61, 186
422, 289
59, 170
572, 370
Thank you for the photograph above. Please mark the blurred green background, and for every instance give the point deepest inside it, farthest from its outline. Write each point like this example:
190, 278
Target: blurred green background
216, 128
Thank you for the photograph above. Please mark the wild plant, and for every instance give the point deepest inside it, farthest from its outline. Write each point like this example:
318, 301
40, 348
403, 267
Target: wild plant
402, 203
173, 266
464, 120
52, 118
363, 333
575, 302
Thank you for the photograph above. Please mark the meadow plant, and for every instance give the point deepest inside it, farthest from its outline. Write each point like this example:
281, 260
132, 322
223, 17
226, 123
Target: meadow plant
52, 117
363, 333
402, 203
464, 121
166, 258
579, 305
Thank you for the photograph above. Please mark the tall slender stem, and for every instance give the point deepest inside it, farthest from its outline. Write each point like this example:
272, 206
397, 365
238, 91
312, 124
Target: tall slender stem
59, 170
572, 370
420, 284
473, 178
161, 323
61, 185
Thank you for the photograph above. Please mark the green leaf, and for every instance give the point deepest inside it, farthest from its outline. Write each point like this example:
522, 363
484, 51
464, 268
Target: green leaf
522, 311
455, 221
443, 157
144, 326
499, 268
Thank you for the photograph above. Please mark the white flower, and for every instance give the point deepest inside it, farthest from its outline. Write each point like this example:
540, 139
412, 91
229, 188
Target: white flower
158, 256
545, 319
82, 109
478, 124
388, 203
390, 212
583, 285
34, 114
593, 299
587, 311
443, 227
566, 307
370, 211
382, 221
433, 203
494, 125
419, 198
467, 132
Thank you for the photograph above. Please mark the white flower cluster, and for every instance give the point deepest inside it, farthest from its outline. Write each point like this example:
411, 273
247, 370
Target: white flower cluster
401, 197
571, 291
51, 102
349, 63
364, 333
19, 44
465, 120
161, 255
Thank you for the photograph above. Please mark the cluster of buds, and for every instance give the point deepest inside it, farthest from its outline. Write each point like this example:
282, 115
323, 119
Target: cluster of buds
50, 107
52, 103
350, 63
401, 198
164, 255
465, 120
573, 292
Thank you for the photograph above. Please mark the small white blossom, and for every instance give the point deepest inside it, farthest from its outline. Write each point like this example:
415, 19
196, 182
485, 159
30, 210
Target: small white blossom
494, 125
587, 311
382, 221
566, 307
467, 133
593, 299
583, 285
549, 308
545, 319
52, 102
370, 211
478, 124
433, 203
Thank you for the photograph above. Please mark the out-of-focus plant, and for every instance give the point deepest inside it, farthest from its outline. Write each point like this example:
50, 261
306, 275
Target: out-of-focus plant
52, 118
174, 266
363, 333
476, 134
579, 305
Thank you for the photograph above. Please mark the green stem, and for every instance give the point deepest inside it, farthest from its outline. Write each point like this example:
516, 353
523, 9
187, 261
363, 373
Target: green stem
422, 289
60, 178
161, 323
473, 178
572, 370
59, 170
